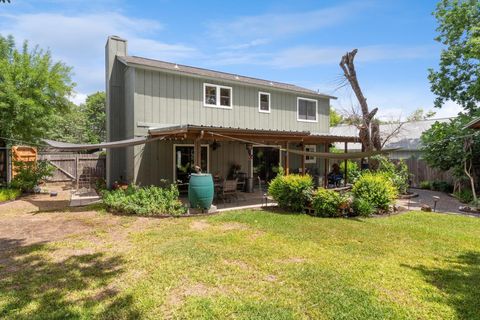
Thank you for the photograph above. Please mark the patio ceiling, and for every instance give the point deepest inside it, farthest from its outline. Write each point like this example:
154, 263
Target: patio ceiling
229, 133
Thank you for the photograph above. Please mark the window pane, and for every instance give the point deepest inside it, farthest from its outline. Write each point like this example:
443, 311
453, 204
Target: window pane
311, 110
264, 102
302, 109
225, 94
210, 95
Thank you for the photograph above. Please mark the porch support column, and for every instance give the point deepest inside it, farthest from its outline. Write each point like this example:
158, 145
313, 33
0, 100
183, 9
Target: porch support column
345, 162
325, 169
197, 151
287, 164
303, 159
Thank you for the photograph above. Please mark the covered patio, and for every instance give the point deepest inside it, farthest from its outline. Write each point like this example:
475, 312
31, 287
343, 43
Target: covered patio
297, 149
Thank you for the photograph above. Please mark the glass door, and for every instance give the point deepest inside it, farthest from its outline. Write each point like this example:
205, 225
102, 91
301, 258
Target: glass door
184, 162
266, 161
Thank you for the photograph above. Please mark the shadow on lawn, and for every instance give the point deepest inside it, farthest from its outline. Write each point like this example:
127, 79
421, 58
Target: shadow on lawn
460, 283
33, 285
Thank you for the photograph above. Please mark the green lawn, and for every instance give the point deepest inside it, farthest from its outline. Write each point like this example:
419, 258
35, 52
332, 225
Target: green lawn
251, 265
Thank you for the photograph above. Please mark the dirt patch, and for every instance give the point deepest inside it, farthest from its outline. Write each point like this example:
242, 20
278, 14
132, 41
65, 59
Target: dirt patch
229, 226
237, 263
178, 295
292, 260
199, 225
270, 278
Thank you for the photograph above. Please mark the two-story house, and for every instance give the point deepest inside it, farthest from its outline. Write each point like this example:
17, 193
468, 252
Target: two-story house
223, 122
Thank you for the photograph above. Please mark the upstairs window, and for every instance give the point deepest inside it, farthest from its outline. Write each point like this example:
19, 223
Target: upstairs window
217, 96
306, 110
264, 102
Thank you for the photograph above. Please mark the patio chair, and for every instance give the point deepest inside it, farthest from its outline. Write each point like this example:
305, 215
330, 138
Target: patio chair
228, 190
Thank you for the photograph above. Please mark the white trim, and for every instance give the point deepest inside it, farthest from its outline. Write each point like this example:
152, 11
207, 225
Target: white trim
316, 109
260, 102
217, 93
313, 148
187, 145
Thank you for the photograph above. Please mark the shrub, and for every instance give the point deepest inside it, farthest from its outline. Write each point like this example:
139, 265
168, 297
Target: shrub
397, 173
464, 196
291, 192
362, 207
353, 172
328, 203
426, 185
146, 201
30, 174
376, 188
442, 186
9, 194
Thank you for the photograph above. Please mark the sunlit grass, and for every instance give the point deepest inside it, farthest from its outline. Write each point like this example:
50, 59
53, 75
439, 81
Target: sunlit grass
256, 265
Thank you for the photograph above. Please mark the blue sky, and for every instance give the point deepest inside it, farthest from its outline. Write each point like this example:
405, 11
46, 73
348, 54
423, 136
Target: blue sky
298, 42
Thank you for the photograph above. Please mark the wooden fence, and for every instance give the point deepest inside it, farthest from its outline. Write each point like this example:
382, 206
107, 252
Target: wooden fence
422, 172
80, 169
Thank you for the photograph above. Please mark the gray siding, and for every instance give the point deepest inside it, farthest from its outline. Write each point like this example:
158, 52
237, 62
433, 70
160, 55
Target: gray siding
164, 98
116, 109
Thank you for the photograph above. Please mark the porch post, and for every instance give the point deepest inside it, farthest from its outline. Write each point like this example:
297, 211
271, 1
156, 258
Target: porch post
345, 162
287, 164
197, 152
325, 178
303, 159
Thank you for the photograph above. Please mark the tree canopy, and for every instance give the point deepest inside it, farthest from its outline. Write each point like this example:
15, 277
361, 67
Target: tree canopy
457, 78
95, 118
443, 144
335, 117
34, 90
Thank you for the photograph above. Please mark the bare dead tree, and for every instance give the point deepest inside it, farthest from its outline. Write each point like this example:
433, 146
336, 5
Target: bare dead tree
369, 141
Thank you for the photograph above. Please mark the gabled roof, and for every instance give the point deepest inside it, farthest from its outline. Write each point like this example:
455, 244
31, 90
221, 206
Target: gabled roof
408, 137
207, 73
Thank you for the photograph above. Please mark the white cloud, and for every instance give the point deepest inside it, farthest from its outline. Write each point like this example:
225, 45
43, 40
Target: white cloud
79, 40
78, 98
276, 25
311, 56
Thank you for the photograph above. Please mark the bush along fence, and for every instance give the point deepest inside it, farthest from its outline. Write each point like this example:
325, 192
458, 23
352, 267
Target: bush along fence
373, 192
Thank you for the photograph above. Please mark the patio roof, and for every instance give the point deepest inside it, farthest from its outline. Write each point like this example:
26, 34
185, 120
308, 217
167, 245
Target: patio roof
474, 124
230, 133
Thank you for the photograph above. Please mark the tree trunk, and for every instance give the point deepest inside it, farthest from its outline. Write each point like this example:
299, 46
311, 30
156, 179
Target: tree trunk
368, 138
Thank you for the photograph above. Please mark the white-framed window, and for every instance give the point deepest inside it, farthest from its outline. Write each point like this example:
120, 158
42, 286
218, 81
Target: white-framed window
307, 110
264, 102
310, 148
217, 96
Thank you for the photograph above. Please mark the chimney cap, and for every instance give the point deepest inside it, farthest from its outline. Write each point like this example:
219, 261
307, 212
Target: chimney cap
117, 38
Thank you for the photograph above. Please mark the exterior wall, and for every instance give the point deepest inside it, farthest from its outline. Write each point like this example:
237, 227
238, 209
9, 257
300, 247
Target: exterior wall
116, 109
165, 98
154, 160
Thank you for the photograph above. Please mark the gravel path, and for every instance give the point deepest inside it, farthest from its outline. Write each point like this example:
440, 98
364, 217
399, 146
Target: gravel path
446, 203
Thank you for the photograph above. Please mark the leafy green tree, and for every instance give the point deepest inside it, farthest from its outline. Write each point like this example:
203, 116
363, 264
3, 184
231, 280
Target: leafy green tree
420, 114
335, 117
443, 145
95, 117
458, 76
33, 91
69, 126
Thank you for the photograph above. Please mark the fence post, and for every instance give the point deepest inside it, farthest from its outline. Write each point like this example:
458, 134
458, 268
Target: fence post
77, 176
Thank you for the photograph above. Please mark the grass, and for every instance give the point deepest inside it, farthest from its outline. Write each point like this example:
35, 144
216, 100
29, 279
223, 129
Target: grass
250, 265
8, 194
